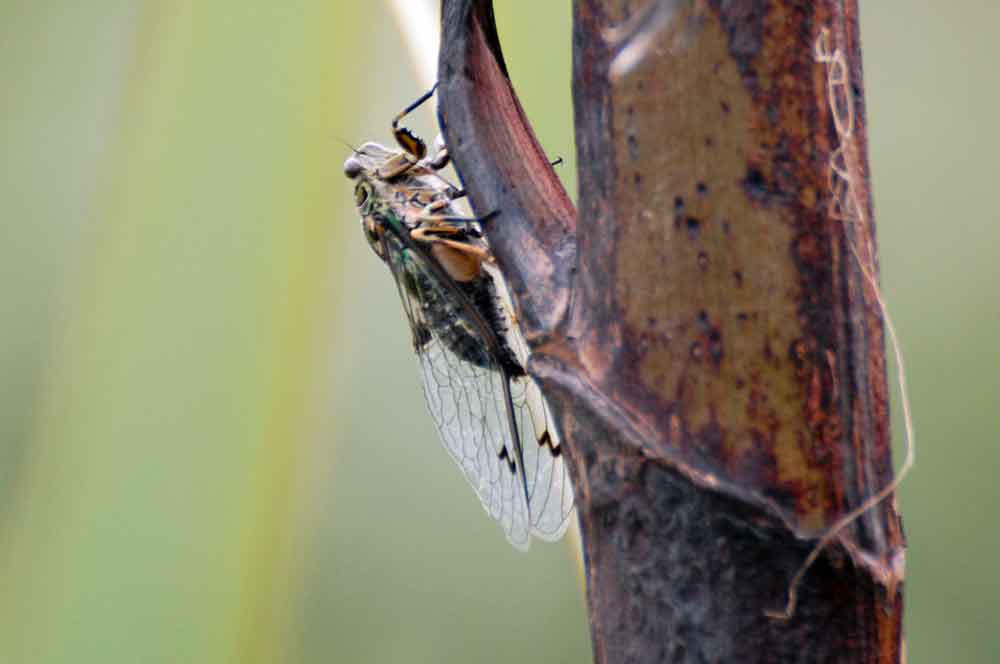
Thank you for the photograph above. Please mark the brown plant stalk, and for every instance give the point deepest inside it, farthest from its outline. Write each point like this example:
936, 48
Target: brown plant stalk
707, 327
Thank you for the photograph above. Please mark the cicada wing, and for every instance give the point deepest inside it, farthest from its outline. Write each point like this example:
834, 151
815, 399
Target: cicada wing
550, 492
467, 400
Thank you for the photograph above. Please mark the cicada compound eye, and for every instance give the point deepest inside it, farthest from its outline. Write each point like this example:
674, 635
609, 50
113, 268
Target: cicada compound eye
353, 167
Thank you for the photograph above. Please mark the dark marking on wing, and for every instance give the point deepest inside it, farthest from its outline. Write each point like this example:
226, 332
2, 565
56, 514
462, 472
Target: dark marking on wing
505, 456
546, 441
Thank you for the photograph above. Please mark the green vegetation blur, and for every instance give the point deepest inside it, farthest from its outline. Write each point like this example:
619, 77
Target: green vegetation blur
213, 444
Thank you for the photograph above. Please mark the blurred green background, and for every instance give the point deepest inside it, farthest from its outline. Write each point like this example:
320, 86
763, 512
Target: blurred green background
213, 444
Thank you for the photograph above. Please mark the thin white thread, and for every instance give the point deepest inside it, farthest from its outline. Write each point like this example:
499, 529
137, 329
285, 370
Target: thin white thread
838, 88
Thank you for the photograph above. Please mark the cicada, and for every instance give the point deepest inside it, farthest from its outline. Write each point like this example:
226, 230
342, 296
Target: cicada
489, 413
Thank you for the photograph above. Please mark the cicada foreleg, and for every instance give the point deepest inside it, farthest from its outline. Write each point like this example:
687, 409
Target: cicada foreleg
444, 235
445, 223
410, 142
415, 149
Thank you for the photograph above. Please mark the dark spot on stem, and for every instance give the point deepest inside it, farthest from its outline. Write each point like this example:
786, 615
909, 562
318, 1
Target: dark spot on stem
715, 345
633, 147
693, 226
755, 184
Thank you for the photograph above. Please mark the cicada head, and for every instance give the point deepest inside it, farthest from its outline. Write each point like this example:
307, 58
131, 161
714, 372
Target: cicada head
374, 194
389, 185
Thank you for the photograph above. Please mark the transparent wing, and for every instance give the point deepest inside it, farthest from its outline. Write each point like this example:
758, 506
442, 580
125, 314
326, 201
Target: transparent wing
550, 493
468, 402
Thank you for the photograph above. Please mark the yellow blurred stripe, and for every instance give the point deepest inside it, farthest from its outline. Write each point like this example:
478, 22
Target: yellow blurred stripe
157, 512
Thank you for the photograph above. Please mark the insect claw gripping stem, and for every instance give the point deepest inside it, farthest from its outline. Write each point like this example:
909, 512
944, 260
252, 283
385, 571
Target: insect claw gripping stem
441, 157
406, 138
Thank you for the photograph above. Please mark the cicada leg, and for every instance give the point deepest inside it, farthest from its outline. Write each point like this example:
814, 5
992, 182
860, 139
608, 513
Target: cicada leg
437, 235
395, 166
445, 223
438, 162
410, 142
441, 157
415, 150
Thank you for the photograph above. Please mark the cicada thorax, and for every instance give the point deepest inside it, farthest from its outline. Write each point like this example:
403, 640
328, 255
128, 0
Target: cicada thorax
417, 198
451, 320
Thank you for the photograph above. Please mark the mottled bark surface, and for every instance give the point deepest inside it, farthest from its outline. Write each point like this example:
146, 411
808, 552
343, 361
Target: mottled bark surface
704, 328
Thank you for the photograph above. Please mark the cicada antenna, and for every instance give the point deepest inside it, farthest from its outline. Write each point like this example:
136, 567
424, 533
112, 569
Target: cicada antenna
348, 145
